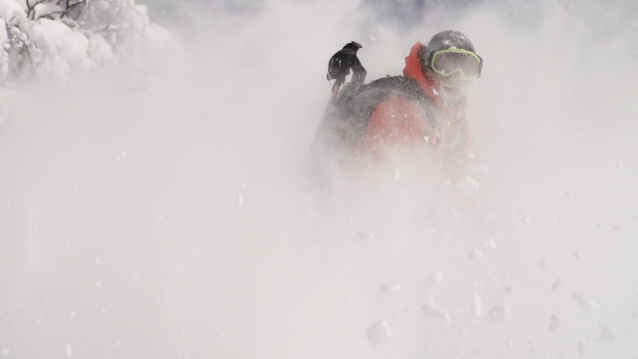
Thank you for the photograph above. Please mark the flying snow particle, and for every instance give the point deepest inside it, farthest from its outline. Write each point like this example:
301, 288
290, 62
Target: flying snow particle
434, 280
397, 174
69, 351
581, 348
378, 332
5, 352
391, 288
605, 335
240, 199
554, 323
542, 265
433, 311
489, 242
558, 285
585, 303
498, 313
620, 166
475, 254
476, 306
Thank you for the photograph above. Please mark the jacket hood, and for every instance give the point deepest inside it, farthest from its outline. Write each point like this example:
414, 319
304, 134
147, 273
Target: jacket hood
414, 70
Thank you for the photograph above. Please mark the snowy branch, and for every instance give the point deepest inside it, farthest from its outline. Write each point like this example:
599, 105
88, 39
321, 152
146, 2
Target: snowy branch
31, 9
60, 37
67, 10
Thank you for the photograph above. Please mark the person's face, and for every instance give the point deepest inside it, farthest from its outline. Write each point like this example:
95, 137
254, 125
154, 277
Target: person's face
452, 89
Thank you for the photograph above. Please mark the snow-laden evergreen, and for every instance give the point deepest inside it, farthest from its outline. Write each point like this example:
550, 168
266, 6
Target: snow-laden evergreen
61, 38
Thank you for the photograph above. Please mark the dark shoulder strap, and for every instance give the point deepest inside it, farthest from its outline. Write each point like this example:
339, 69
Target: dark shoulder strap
399, 85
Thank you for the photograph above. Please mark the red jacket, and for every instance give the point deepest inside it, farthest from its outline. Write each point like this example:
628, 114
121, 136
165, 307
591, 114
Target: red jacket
402, 123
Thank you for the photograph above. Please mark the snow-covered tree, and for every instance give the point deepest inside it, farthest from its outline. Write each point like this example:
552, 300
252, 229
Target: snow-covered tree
66, 37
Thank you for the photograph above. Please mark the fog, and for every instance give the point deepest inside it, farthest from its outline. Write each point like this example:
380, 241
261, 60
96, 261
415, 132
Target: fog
169, 217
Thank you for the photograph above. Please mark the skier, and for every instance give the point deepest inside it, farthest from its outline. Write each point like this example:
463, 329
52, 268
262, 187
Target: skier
420, 112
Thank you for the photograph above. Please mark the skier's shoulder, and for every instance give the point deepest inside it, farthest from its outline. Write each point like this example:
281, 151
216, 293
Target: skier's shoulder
396, 86
391, 82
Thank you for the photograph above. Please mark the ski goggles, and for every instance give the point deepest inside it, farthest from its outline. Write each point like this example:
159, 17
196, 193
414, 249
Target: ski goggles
450, 61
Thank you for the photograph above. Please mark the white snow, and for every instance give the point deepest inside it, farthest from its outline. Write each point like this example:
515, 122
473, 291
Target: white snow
62, 48
11, 9
379, 332
204, 226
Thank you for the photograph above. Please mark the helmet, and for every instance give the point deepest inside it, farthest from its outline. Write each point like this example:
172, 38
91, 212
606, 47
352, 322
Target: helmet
453, 41
446, 40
